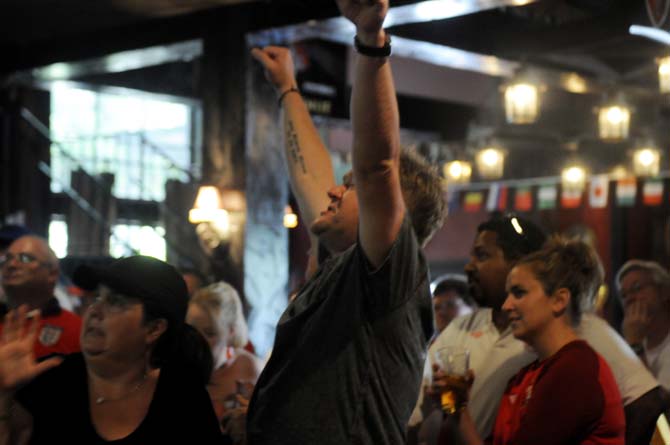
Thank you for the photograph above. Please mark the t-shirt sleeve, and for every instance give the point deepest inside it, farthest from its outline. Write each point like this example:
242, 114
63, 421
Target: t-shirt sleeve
566, 400
401, 275
632, 377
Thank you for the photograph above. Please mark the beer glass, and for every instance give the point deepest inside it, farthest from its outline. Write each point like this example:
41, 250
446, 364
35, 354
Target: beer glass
454, 361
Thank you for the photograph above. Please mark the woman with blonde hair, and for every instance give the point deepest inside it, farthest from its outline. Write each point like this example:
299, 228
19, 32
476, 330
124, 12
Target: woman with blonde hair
216, 311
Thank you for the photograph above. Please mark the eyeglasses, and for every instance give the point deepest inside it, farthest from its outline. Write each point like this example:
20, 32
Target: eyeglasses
634, 289
113, 302
22, 257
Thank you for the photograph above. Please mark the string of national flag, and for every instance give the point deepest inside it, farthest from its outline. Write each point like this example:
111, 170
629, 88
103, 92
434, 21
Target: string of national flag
548, 193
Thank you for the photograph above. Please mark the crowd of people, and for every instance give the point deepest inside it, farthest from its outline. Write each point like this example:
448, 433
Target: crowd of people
158, 356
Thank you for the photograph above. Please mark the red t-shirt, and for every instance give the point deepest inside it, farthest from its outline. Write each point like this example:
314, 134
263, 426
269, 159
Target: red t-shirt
569, 398
58, 332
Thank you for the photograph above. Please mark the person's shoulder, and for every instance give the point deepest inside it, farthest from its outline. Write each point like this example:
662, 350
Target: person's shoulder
591, 324
475, 320
463, 325
575, 357
605, 340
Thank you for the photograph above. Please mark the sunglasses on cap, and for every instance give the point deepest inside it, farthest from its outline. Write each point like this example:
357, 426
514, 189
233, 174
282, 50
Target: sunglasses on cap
516, 228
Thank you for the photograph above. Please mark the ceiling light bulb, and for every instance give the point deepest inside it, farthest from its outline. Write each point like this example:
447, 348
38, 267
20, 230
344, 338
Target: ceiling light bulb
574, 175
490, 157
615, 115
646, 157
455, 169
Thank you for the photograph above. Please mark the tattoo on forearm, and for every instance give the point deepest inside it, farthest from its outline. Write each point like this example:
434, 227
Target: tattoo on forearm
293, 148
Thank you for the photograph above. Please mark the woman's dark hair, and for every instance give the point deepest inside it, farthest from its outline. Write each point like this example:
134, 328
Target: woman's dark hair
569, 264
183, 346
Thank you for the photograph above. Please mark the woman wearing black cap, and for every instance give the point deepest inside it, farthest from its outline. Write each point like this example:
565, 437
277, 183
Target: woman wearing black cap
140, 378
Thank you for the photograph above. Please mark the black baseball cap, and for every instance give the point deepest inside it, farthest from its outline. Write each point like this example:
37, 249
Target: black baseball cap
12, 232
156, 283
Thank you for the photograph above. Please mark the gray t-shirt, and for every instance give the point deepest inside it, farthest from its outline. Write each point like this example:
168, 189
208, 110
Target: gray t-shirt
348, 355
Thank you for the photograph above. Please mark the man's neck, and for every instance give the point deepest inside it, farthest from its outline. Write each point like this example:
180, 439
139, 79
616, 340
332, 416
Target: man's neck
500, 319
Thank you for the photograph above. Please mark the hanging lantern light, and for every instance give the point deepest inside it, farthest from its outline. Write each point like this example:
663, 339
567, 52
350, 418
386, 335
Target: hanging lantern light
664, 74
573, 177
290, 218
646, 161
522, 102
619, 171
457, 172
614, 121
207, 207
490, 162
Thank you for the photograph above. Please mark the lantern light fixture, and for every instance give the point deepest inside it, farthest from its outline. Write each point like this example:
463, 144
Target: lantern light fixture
614, 121
646, 161
522, 102
290, 218
664, 74
490, 162
207, 207
619, 171
457, 172
573, 177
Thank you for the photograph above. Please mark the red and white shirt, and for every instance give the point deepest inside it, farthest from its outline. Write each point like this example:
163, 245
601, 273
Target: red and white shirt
569, 398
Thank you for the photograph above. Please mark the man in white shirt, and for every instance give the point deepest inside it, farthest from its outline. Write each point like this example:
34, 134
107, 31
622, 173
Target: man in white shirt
496, 356
644, 288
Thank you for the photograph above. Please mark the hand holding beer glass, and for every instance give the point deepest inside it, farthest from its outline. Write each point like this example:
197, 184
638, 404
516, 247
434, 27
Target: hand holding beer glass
453, 377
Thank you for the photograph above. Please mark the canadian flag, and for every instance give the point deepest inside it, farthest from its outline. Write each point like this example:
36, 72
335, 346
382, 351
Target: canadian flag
598, 191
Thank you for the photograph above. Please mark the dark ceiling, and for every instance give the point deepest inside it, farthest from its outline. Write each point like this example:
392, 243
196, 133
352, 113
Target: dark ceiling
590, 37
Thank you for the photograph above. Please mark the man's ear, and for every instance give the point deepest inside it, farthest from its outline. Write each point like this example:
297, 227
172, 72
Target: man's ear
560, 300
156, 328
54, 274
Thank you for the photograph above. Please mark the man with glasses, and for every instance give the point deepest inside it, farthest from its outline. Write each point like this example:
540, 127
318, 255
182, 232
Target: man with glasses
8, 234
29, 275
644, 288
496, 356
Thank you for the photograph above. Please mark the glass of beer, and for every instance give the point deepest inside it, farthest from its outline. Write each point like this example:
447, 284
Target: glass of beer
454, 361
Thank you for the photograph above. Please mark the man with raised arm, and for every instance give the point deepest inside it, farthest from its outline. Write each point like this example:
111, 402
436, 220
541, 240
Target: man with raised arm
348, 354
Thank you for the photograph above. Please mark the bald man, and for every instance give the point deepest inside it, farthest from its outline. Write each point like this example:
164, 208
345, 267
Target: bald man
29, 275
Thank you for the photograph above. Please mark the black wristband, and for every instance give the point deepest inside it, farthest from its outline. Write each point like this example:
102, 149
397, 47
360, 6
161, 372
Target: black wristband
373, 51
282, 95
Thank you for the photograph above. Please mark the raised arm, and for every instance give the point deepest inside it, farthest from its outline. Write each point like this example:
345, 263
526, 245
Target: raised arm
308, 161
375, 122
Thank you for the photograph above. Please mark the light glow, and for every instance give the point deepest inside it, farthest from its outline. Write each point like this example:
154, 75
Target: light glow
664, 74
290, 218
522, 104
207, 207
490, 163
613, 122
457, 171
574, 177
646, 162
